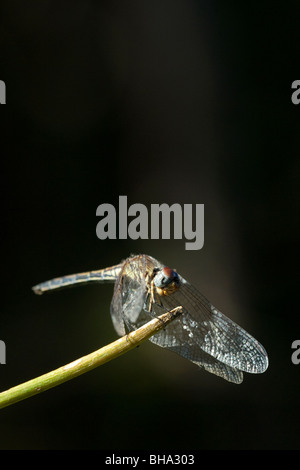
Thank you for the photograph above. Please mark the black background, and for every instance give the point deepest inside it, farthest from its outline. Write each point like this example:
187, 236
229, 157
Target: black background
167, 101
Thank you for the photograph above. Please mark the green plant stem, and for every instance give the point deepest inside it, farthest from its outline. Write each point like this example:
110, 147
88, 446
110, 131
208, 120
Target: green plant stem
87, 363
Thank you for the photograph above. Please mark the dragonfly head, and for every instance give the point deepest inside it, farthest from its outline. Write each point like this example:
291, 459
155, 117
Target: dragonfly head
166, 280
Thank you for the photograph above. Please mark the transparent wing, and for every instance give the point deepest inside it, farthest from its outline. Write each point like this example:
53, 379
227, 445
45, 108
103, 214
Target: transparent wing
129, 295
179, 340
205, 361
116, 309
206, 329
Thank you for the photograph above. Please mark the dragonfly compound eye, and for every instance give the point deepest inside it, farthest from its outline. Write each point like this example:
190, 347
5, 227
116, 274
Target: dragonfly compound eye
165, 277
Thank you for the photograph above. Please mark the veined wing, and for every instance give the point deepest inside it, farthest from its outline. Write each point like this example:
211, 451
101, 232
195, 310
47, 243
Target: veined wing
129, 294
180, 340
203, 328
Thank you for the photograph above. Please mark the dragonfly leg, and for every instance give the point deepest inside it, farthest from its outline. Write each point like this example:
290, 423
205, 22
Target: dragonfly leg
153, 297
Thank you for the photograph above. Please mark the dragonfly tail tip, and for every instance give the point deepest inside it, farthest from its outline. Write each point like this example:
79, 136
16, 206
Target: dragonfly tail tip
37, 290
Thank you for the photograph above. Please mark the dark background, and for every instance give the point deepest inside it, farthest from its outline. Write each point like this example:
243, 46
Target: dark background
168, 101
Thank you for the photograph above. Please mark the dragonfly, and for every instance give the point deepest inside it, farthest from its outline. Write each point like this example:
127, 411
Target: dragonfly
145, 288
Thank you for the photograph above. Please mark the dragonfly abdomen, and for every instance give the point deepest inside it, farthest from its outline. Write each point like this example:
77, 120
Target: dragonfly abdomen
101, 275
